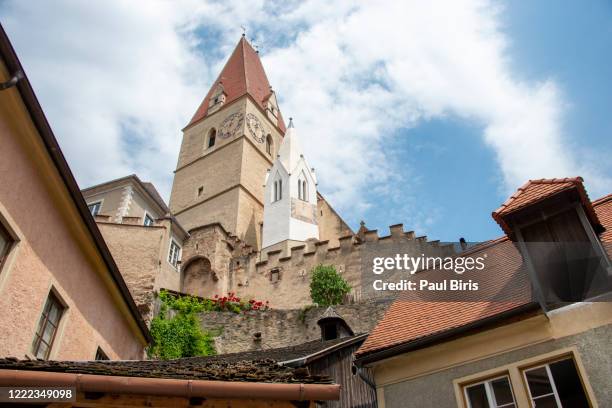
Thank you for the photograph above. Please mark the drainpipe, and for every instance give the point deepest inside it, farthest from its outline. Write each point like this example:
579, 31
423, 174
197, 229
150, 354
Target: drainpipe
357, 370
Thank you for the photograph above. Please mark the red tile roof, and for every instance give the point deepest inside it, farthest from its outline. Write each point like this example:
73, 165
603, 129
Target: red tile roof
603, 209
535, 191
242, 74
409, 319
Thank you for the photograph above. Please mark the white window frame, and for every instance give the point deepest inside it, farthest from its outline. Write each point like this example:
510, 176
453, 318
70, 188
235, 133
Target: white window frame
550, 379
489, 392
94, 203
144, 220
171, 254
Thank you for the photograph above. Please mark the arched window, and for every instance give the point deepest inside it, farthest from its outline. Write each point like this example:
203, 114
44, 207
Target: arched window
269, 145
212, 136
302, 188
278, 190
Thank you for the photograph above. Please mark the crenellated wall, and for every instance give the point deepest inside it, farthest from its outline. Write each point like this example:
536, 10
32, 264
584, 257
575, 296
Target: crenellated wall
285, 280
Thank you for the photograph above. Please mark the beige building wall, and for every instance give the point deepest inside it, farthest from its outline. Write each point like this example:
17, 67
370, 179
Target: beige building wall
141, 254
331, 226
122, 199
110, 201
53, 250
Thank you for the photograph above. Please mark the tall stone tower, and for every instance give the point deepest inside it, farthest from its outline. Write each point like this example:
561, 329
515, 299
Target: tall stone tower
290, 209
227, 147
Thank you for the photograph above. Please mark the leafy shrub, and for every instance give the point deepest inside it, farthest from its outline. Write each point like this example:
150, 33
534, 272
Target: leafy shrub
176, 330
327, 287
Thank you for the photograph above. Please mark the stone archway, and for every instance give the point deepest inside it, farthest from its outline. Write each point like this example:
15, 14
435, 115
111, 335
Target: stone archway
199, 279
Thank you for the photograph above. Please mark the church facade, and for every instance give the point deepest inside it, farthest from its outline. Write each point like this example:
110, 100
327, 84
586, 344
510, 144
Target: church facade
244, 215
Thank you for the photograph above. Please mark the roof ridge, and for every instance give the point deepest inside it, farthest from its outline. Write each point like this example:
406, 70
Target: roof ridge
602, 200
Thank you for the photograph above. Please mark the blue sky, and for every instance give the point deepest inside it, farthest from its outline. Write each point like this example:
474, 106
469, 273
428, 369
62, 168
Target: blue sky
424, 114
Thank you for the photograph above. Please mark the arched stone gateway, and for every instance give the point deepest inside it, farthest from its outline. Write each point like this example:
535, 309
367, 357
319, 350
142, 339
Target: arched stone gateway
199, 279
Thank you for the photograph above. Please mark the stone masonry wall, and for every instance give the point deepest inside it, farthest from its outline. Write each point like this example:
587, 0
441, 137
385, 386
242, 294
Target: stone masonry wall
280, 328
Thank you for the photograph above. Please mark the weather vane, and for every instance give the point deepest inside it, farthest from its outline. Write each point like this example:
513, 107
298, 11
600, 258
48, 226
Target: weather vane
243, 30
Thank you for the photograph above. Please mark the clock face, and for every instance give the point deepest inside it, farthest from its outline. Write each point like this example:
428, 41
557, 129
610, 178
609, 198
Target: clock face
231, 125
255, 128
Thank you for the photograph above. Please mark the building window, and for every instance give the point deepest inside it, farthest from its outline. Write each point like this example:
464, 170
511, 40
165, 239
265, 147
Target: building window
556, 384
174, 254
47, 327
200, 191
94, 208
6, 242
212, 136
302, 190
101, 355
278, 190
148, 220
269, 145
492, 393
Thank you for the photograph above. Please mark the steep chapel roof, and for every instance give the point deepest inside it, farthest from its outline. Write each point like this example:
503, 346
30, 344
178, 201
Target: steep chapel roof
242, 74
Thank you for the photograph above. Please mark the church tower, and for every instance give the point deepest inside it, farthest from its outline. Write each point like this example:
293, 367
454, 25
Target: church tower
290, 209
227, 147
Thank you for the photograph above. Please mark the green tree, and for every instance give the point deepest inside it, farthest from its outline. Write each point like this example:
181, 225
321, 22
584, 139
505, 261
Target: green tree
327, 287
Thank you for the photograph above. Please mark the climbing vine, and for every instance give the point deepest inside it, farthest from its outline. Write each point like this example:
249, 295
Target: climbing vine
176, 329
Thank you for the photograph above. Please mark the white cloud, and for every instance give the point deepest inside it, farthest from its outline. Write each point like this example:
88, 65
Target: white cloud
351, 73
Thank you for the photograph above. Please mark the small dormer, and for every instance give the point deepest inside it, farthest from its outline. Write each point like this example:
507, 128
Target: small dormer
333, 326
271, 105
217, 99
556, 229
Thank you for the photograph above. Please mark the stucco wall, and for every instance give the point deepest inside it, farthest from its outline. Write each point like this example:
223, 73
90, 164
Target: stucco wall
281, 328
436, 390
52, 252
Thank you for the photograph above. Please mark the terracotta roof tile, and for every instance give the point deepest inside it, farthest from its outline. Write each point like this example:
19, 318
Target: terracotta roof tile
603, 209
535, 191
242, 74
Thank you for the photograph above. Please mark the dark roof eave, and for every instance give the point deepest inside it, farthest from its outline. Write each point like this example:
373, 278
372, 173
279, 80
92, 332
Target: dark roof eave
375, 356
298, 362
53, 149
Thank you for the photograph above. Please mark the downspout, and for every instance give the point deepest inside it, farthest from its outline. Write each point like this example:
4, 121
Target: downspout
357, 370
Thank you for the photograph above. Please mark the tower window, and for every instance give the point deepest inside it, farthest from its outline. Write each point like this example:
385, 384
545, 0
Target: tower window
302, 188
200, 191
278, 190
212, 136
269, 145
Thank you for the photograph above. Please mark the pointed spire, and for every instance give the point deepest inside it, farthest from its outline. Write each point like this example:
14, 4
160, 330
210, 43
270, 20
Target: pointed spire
290, 151
242, 74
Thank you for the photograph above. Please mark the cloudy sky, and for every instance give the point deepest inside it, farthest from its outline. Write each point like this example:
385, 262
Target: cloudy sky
426, 113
